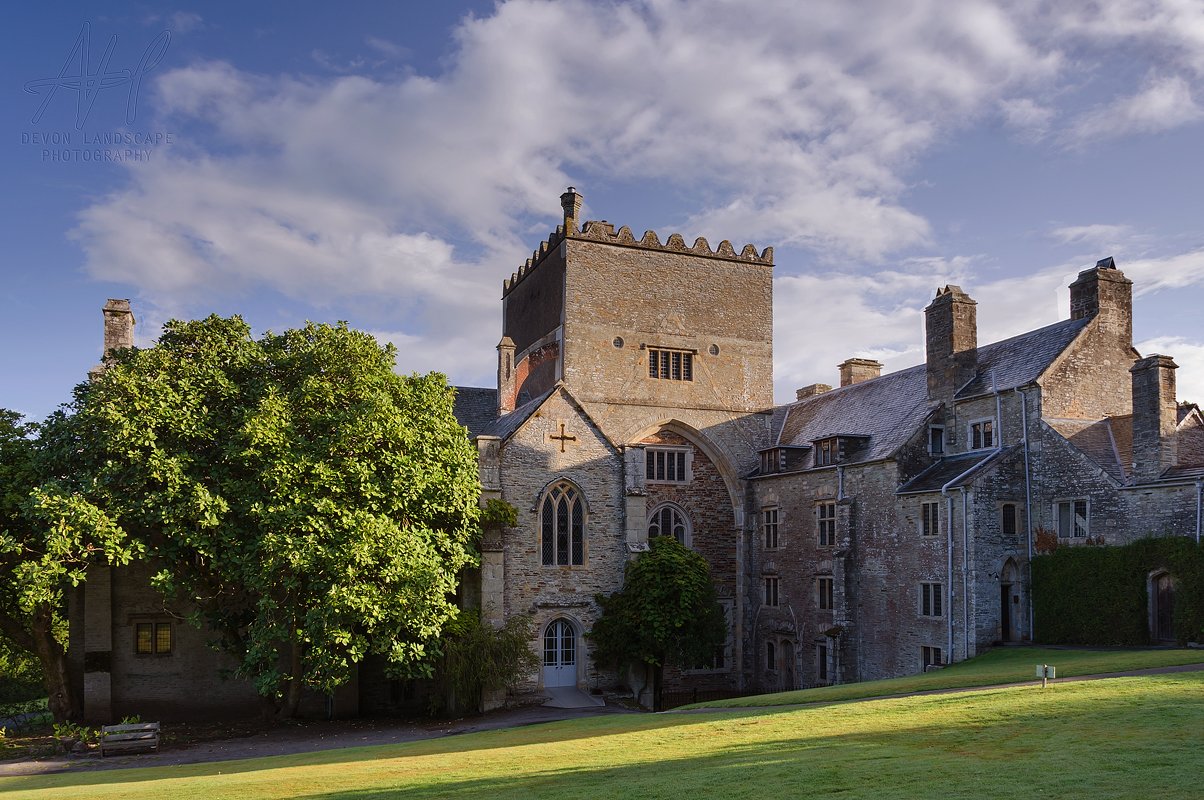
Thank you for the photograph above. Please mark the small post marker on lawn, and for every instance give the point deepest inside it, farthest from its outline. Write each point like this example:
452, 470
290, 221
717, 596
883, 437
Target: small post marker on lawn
1045, 672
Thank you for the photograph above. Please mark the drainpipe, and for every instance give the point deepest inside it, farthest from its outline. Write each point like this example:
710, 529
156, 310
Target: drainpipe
965, 579
1028, 506
998, 412
949, 570
949, 551
840, 483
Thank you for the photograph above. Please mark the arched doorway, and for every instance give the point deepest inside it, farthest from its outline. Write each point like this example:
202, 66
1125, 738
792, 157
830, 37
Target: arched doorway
559, 654
1162, 607
1009, 603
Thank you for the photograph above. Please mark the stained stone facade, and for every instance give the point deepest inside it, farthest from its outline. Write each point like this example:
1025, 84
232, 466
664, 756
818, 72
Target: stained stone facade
860, 532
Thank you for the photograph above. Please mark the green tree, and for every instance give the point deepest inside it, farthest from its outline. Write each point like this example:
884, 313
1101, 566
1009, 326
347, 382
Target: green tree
666, 612
49, 536
477, 657
310, 503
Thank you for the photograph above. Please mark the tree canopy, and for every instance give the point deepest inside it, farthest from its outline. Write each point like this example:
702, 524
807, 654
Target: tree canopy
312, 505
50, 533
666, 612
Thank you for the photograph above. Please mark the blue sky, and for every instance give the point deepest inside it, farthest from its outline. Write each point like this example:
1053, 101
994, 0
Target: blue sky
390, 163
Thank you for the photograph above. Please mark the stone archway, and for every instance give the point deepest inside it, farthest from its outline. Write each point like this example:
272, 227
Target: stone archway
1160, 588
1009, 602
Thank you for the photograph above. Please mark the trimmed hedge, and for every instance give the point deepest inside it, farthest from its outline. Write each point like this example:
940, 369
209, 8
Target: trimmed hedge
1098, 595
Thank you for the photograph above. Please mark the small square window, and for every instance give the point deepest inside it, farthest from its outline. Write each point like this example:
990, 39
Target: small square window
982, 434
931, 657
1072, 519
152, 638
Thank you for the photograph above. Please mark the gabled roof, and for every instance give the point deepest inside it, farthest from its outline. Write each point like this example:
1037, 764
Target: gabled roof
943, 472
475, 408
1021, 359
891, 408
504, 426
888, 410
1108, 442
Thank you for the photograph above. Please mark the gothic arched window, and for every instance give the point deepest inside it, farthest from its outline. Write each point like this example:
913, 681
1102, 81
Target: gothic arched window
562, 524
669, 520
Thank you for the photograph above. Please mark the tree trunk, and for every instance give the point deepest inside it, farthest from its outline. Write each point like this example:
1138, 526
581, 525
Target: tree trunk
53, 658
292, 696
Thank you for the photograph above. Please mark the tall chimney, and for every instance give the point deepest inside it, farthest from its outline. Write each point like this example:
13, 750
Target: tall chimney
1105, 293
118, 332
1155, 417
856, 370
951, 334
119, 325
570, 201
505, 376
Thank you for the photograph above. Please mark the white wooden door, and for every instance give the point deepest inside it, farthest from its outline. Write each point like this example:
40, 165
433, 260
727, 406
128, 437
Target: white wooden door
559, 654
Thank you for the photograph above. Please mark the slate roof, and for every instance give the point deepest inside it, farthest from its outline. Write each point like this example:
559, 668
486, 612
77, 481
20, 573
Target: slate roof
475, 408
505, 425
942, 472
891, 408
1101, 440
1021, 359
888, 410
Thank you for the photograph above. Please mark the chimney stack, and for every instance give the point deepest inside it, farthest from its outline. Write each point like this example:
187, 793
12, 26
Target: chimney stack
570, 201
856, 370
1155, 417
951, 334
814, 390
1105, 293
505, 376
118, 332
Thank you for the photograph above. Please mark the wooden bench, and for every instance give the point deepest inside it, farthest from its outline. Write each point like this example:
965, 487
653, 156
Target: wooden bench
122, 738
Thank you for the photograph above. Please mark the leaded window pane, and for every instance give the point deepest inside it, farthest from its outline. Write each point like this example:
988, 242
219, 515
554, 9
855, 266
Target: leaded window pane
549, 534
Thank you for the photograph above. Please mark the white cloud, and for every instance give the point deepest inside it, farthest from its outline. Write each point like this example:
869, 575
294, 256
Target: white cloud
779, 124
1163, 103
1093, 235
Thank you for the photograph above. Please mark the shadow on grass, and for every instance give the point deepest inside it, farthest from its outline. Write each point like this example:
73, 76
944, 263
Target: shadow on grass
1135, 745
1103, 742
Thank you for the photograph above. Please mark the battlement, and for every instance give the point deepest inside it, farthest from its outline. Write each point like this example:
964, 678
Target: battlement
603, 231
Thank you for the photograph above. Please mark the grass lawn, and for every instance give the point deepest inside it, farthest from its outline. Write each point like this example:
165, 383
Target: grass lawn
1120, 738
1001, 665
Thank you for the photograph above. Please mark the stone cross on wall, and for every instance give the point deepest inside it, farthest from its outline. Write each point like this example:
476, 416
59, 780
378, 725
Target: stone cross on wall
562, 438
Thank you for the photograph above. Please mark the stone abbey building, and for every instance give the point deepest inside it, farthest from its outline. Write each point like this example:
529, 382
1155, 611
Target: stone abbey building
863, 531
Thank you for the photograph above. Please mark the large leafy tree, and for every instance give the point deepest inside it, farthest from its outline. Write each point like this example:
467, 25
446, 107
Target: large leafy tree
665, 613
311, 505
49, 535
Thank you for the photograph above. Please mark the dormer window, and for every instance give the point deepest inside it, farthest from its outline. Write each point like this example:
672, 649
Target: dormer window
770, 461
936, 440
827, 451
982, 434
